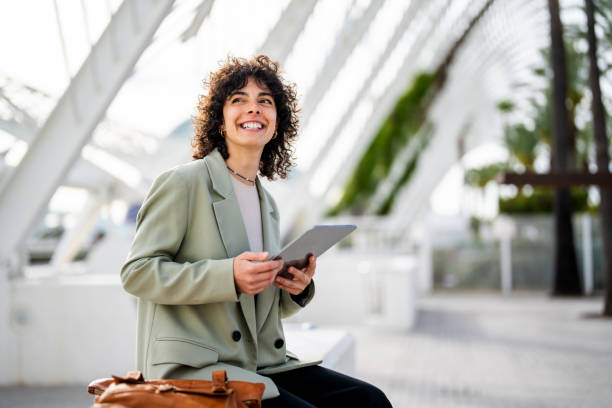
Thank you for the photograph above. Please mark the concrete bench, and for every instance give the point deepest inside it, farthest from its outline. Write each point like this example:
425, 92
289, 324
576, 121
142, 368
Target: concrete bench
69, 329
334, 346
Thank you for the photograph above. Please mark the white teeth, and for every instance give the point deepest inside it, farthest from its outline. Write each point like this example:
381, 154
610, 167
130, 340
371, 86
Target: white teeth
252, 125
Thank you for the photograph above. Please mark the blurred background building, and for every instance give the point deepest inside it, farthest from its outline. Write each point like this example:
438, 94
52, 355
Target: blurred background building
412, 112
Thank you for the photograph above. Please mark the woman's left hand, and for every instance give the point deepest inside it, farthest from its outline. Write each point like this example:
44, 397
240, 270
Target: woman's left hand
301, 278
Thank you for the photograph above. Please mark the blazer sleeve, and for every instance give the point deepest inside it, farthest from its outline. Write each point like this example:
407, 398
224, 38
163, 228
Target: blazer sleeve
150, 271
291, 304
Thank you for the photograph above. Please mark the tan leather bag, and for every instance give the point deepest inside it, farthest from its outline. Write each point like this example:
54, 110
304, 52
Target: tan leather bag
134, 392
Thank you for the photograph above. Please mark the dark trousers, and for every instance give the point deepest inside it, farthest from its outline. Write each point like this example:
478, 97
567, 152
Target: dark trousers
320, 387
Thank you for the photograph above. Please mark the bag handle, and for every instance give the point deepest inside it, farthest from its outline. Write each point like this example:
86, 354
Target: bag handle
97, 387
219, 384
132, 377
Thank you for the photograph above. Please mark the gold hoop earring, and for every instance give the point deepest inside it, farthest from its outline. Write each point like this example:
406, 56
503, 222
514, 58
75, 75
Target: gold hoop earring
275, 134
221, 132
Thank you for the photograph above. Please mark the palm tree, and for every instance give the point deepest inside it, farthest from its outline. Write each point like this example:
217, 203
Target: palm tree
521, 144
601, 144
566, 278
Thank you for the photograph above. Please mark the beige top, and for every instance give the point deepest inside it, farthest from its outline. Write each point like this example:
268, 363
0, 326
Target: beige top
248, 200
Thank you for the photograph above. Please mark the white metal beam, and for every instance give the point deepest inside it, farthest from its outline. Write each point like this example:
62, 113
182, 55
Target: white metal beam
387, 99
59, 144
442, 152
351, 34
23, 124
282, 37
76, 115
202, 11
398, 33
350, 154
73, 239
15, 128
325, 148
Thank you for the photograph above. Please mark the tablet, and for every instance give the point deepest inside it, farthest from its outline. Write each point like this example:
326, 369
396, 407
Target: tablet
315, 241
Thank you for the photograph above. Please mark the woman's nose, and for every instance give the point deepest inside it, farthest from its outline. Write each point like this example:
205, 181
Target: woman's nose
254, 108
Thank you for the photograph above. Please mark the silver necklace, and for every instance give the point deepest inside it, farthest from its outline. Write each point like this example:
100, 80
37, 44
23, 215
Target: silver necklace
235, 173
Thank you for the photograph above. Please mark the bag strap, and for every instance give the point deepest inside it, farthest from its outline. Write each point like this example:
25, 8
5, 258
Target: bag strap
219, 381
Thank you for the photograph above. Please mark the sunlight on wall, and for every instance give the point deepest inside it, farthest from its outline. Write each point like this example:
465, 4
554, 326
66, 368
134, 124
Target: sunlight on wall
452, 197
68, 199
114, 166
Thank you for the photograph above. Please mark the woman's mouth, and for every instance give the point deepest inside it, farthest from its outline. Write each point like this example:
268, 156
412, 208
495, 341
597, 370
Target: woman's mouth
251, 125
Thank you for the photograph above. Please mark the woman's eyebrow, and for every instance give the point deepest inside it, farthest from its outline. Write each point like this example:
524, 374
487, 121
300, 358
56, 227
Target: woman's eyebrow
245, 94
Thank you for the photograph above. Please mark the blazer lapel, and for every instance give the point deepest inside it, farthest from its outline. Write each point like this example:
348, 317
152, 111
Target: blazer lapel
270, 229
231, 228
226, 208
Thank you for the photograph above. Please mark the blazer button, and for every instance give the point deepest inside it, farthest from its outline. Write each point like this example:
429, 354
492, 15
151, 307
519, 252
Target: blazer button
236, 335
279, 343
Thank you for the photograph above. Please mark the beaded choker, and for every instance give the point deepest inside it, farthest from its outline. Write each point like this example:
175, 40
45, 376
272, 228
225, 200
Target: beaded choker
235, 173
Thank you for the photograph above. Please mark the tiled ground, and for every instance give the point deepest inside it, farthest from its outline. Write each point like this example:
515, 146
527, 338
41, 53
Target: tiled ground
490, 351
467, 350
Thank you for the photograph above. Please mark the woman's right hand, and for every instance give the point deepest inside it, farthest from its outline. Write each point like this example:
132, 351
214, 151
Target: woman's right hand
253, 274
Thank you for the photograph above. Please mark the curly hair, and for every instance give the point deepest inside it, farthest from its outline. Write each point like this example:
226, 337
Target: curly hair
277, 156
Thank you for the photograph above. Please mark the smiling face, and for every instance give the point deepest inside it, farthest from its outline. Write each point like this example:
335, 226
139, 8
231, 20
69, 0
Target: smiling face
249, 118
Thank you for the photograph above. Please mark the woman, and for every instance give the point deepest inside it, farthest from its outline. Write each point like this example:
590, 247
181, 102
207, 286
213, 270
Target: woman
207, 297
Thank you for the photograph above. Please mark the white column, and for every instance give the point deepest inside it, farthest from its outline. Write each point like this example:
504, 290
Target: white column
587, 254
426, 258
504, 230
505, 244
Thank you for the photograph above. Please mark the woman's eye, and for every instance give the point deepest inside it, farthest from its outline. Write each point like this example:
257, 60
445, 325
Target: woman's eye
266, 101
236, 100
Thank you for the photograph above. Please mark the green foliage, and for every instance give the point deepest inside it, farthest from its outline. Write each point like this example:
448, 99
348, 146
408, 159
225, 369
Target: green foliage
521, 143
406, 120
542, 201
474, 225
542, 119
386, 206
482, 176
577, 83
403, 122
522, 139
505, 106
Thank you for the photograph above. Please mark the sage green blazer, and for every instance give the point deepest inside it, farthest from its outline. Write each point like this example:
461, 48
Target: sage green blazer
180, 267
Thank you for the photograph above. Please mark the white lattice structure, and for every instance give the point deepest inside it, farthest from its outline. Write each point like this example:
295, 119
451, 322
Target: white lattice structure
102, 122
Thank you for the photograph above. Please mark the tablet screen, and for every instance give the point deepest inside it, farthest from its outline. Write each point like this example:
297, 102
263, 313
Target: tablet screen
315, 241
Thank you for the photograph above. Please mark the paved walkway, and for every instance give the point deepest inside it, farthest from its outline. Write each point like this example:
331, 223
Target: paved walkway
467, 350
489, 351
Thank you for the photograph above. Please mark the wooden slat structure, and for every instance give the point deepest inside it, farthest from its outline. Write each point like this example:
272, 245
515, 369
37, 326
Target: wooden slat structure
558, 179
